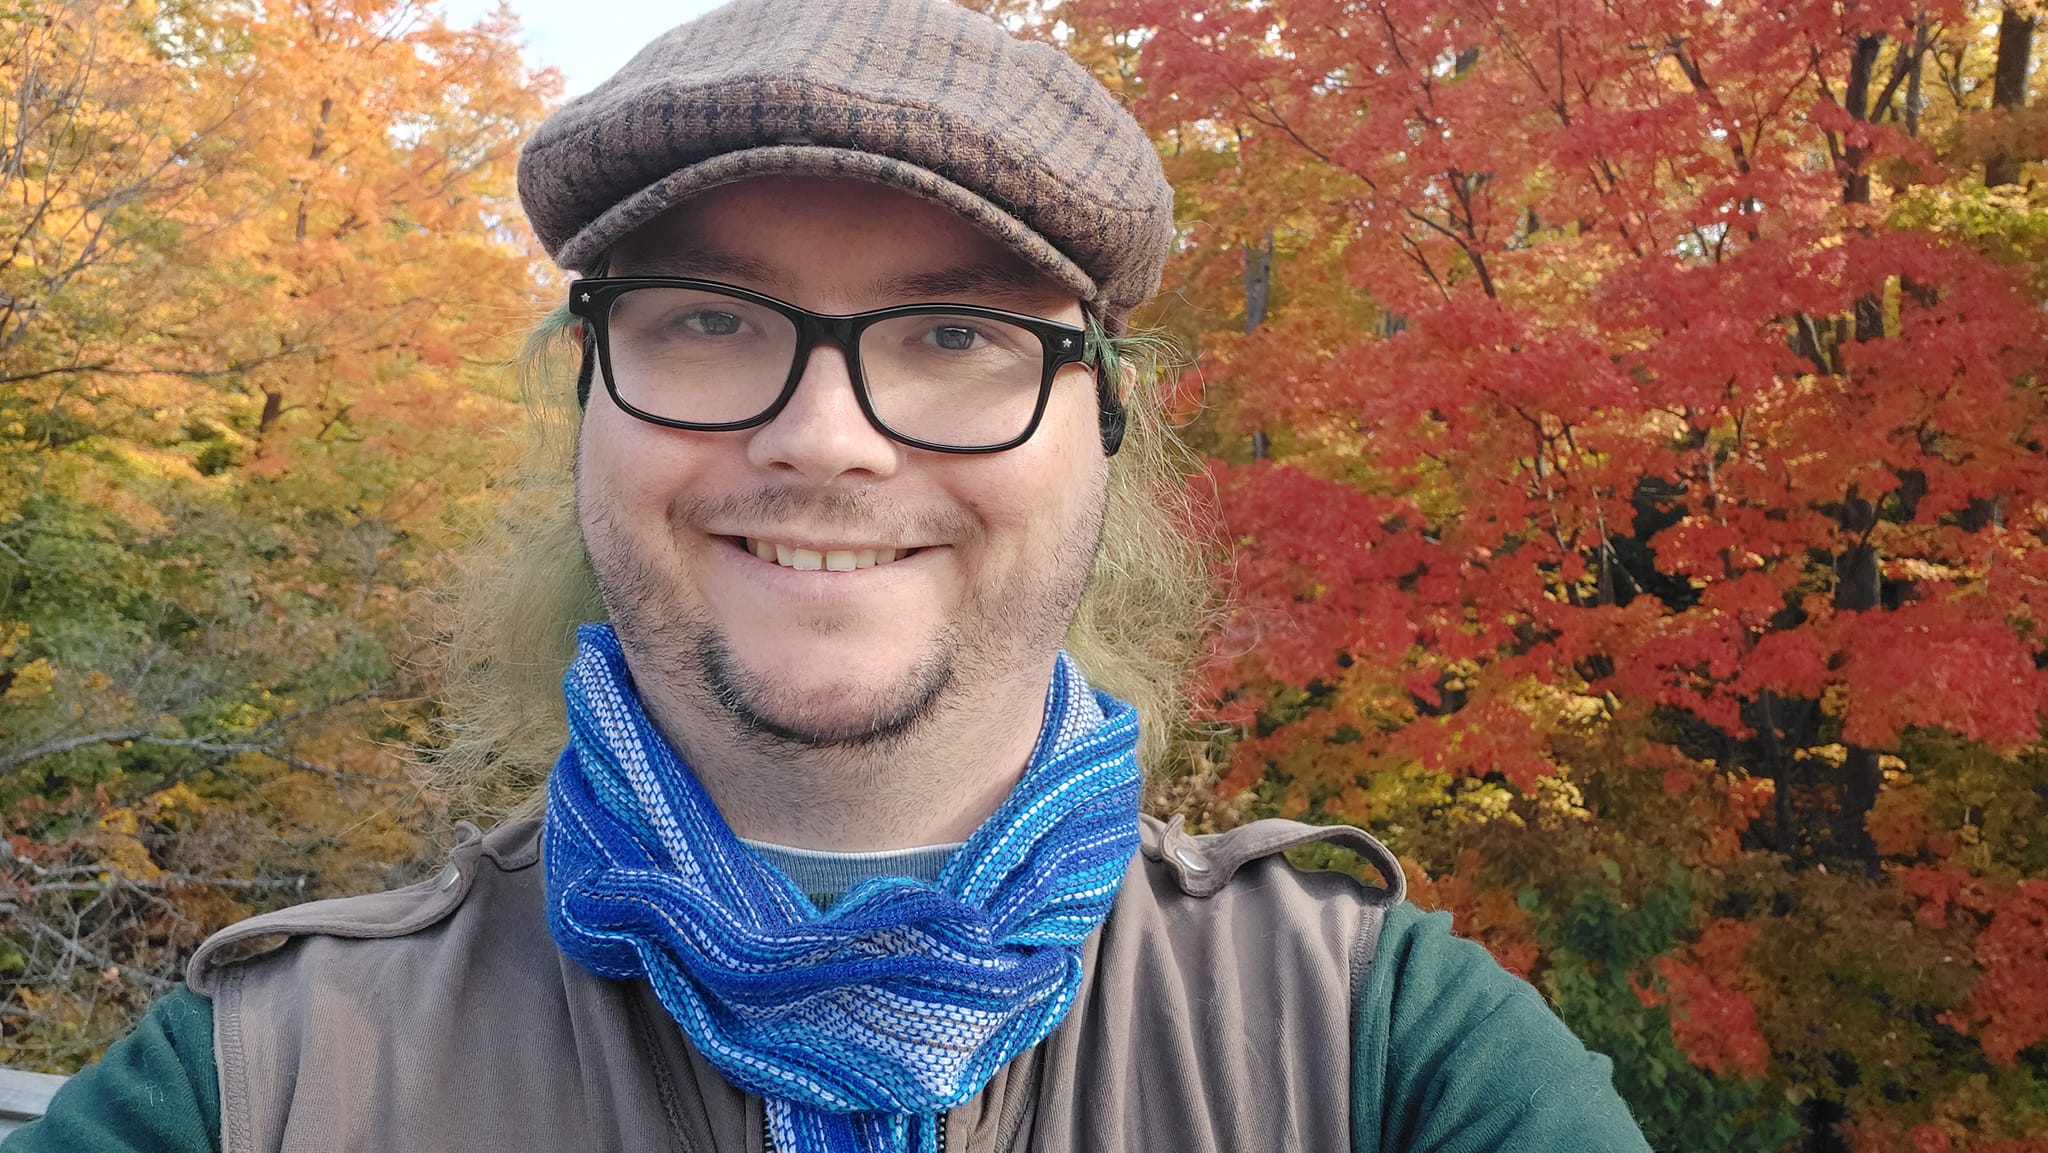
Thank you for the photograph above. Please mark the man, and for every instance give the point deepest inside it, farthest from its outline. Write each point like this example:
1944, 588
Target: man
843, 848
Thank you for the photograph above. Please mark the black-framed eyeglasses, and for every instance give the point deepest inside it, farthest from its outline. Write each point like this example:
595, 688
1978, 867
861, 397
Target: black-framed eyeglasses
711, 357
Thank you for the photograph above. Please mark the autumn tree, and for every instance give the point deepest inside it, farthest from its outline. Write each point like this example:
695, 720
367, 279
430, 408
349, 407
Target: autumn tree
1635, 474
257, 295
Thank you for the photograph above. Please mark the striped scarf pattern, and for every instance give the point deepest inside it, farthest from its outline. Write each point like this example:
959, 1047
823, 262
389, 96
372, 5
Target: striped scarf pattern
859, 1025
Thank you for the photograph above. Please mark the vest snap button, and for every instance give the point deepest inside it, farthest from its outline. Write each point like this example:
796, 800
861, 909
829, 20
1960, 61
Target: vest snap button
1192, 861
447, 879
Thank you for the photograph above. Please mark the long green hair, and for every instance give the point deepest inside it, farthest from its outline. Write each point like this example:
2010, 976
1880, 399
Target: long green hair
512, 614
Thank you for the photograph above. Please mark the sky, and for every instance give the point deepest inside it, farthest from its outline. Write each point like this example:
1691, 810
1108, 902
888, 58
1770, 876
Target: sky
587, 40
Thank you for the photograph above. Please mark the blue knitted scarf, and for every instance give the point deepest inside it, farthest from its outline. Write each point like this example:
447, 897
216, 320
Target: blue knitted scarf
859, 1025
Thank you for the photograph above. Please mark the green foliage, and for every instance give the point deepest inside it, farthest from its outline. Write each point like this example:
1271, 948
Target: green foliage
1596, 947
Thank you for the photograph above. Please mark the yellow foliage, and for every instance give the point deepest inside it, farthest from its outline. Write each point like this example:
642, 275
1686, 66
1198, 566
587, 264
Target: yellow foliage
32, 680
121, 822
121, 851
256, 283
1554, 706
166, 803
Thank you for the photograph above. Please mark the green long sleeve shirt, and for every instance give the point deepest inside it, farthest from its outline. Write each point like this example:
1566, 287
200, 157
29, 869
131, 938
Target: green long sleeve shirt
1451, 1054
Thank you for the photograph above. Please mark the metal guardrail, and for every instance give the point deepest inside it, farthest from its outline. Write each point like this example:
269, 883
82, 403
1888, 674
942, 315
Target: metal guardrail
24, 1096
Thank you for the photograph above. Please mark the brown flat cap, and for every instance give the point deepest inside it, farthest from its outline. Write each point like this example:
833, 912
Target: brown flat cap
917, 94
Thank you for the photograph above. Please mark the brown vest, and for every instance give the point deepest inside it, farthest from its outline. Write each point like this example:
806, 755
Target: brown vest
1216, 1015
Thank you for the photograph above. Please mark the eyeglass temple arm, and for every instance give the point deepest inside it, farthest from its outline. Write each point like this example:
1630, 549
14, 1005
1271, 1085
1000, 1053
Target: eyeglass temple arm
587, 371
1110, 415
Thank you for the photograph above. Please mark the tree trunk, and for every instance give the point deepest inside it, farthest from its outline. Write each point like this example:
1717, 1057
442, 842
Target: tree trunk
319, 149
1858, 586
1258, 282
1913, 77
2009, 86
1857, 579
1856, 98
1258, 293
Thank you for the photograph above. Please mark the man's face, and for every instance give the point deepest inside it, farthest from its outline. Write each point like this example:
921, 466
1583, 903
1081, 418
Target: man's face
991, 550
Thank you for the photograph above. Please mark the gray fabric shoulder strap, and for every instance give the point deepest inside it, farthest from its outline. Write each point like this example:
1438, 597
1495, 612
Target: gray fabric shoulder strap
1204, 864
372, 916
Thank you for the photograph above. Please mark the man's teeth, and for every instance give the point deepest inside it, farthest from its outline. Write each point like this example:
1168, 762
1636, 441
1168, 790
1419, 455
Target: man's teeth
811, 560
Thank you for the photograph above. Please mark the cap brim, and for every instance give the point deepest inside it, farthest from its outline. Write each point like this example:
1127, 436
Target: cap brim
585, 251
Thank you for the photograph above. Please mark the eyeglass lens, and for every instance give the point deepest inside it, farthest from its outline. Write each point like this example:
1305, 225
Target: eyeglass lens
703, 357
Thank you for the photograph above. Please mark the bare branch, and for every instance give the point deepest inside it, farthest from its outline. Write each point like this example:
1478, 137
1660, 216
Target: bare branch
99, 961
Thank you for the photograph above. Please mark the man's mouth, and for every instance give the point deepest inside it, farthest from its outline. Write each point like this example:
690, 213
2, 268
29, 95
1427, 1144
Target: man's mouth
813, 560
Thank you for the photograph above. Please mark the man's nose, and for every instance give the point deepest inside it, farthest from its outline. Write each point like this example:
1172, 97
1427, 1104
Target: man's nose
822, 434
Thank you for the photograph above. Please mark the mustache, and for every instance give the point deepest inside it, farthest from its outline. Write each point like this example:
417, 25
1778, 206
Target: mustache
856, 511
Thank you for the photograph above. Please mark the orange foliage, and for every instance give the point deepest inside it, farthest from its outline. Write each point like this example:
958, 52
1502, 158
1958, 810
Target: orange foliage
258, 289
1714, 1025
2008, 1009
1636, 490
1945, 889
1487, 915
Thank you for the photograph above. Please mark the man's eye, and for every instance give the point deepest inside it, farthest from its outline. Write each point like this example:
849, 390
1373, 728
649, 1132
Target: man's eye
954, 337
713, 323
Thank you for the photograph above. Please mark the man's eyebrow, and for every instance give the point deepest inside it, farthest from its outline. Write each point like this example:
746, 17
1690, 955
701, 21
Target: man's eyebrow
971, 280
705, 264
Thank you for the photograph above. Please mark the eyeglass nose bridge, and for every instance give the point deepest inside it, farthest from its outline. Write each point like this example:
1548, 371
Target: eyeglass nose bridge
813, 330
842, 332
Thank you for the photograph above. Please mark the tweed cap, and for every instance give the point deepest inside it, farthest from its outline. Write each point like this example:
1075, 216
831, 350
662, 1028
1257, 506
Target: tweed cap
920, 95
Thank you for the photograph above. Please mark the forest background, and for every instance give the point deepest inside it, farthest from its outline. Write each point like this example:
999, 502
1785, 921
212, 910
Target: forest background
1626, 420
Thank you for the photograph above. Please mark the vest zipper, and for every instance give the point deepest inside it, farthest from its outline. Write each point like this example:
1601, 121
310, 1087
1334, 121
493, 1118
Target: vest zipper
768, 1134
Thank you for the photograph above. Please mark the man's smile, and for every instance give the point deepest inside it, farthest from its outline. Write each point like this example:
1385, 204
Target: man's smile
816, 557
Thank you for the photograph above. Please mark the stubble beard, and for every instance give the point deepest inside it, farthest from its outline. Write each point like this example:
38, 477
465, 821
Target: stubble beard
742, 695
691, 655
